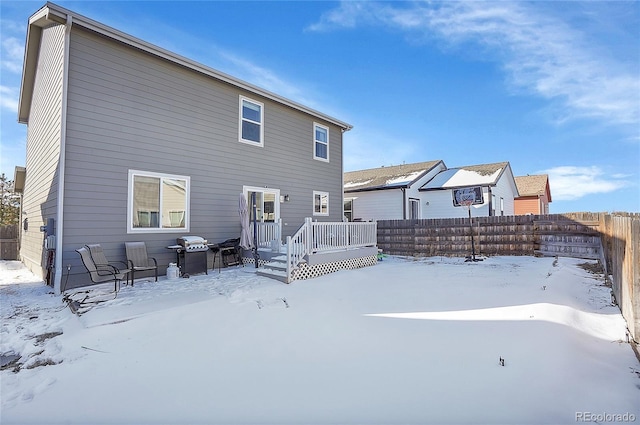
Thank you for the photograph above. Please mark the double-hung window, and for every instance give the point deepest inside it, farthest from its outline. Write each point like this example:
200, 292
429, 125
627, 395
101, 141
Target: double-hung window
251, 121
157, 202
320, 142
320, 203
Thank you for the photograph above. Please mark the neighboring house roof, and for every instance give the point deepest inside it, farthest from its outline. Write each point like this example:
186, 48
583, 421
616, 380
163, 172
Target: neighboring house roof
535, 185
51, 13
471, 175
392, 177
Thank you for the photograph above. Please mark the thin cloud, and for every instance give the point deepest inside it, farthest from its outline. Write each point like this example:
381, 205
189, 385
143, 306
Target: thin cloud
569, 183
9, 98
11, 57
12, 54
541, 53
263, 77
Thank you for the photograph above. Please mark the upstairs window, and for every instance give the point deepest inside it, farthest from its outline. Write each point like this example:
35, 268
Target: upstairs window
251, 121
157, 202
320, 203
320, 142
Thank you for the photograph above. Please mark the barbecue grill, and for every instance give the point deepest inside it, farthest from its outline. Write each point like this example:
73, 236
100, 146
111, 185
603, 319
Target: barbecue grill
193, 243
192, 255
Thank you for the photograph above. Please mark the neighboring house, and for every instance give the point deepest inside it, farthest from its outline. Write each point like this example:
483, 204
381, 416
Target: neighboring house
127, 141
535, 195
388, 193
491, 186
428, 190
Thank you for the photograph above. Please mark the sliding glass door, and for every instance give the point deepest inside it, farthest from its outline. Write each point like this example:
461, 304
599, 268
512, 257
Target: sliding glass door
267, 204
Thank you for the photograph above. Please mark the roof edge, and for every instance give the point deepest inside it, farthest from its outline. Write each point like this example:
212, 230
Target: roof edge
432, 189
51, 13
371, 189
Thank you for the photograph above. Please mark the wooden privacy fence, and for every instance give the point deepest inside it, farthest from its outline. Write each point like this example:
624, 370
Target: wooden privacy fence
621, 245
568, 234
614, 239
9, 242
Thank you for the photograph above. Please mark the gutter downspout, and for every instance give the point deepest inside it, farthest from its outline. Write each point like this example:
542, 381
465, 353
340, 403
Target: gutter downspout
61, 160
404, 202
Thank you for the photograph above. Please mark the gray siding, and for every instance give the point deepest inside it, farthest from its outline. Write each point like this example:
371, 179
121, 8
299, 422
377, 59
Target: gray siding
43, 147
130, 110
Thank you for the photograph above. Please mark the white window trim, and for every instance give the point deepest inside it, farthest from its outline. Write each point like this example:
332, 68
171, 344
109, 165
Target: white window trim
344, 212
261, 123
319, 158
313, 206
187, 215
414, 201
276, 192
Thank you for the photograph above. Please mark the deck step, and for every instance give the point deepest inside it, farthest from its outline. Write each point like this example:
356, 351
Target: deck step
276, 269
276, 265
273, 274
283, 258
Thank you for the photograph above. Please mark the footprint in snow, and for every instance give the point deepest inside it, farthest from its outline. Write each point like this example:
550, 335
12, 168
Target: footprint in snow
41, 387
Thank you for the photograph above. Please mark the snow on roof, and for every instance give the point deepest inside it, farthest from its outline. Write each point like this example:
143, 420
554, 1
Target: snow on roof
387, 177
356, 184
473, 175
403, 180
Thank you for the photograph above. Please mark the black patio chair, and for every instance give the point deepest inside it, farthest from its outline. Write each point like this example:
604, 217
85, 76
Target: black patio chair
139, 260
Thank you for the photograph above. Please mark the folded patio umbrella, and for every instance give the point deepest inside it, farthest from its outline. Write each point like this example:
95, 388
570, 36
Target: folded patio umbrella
245, 235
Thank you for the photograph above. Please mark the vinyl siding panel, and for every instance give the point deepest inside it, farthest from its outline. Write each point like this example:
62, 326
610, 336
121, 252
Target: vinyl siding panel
505, 190
527, 205
441, 205
377, 205
414, 191
43, 148
130, 110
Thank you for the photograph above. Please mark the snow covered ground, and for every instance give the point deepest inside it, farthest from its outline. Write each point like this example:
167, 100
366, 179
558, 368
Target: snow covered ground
406, 341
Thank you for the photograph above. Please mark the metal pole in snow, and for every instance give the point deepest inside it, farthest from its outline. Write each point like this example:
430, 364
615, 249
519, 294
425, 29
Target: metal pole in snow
473, 248
255, 230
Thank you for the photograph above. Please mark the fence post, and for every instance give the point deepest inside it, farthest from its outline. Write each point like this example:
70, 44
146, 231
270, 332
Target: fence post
289, 247
309, 233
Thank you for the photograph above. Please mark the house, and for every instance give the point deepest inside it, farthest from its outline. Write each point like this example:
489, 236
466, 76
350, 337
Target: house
490, 188
535, 194
428, 190
127, 141
388, 193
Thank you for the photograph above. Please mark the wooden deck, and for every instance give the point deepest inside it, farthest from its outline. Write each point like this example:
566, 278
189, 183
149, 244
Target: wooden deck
317, 248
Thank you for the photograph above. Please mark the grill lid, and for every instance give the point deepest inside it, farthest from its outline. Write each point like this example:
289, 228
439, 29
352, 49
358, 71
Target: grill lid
193, 243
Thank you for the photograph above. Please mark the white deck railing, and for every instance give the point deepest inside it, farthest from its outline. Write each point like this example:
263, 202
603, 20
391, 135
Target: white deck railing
269, 235
336, 236
315, 237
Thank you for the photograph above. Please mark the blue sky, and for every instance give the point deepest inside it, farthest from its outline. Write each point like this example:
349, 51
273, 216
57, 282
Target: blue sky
551, 87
